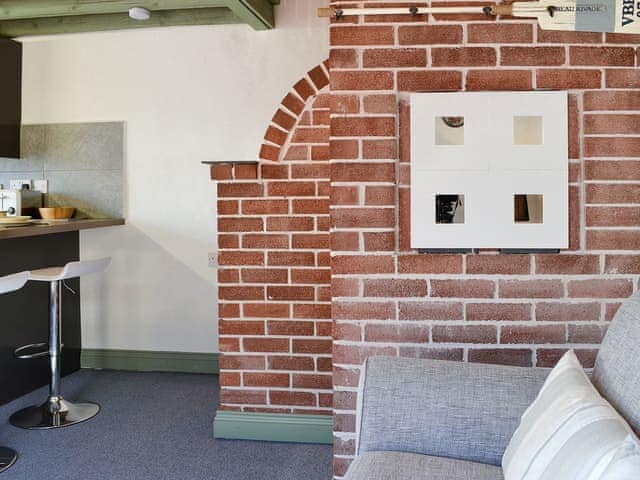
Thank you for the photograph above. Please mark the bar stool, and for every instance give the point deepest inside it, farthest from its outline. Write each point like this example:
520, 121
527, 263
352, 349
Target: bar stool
8, 284
56, 411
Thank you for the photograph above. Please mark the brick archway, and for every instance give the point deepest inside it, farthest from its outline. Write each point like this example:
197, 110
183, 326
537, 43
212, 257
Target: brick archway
274, 263
295, 110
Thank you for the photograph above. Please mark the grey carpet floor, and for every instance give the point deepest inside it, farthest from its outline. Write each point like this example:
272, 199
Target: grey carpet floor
152, 426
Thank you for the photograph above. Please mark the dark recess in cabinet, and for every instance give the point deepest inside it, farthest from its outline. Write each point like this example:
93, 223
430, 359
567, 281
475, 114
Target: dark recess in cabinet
10, 97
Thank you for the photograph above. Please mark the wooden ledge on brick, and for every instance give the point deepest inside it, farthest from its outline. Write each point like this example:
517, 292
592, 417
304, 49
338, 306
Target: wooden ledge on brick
233, 169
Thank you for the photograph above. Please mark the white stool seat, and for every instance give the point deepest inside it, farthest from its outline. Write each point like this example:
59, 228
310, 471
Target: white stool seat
70, 270
46, 274
13, 282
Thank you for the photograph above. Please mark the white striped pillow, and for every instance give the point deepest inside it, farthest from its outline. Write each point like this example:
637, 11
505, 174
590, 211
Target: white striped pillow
571, 433
626, 462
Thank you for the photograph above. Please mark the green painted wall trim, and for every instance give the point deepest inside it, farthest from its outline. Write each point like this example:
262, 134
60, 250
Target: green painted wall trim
274, 427
150, 361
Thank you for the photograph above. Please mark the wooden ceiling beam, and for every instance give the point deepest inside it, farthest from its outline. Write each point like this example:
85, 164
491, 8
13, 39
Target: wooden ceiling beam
116, 21
48, 17
21, 9
257, 13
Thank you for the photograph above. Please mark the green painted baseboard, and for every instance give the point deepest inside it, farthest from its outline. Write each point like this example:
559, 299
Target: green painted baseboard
274, 427
150, 361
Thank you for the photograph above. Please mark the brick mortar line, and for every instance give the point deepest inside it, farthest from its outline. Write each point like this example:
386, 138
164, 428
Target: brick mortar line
489, 276
613, 182
616, 112
480, 346
611, 135
365, 207
277, 337
284, 372
414, 252
314, 356
492, 67
468, 323
239, 388
616, 228
614, 205
467, 301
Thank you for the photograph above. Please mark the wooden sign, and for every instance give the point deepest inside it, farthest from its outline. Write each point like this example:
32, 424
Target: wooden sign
615, 16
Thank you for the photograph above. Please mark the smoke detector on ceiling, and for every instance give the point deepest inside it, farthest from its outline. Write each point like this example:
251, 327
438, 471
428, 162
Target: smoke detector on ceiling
139, 13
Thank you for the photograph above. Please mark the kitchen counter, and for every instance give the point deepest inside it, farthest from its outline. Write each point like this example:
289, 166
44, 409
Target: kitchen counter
25, 312
57, 227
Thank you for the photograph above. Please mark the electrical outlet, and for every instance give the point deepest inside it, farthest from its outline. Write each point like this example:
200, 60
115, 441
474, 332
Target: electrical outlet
213, 260
41, 186
17, 184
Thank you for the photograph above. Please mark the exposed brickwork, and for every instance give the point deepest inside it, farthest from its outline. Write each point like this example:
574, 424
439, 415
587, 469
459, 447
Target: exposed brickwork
316, 272
274, 273
287, 123
510, 309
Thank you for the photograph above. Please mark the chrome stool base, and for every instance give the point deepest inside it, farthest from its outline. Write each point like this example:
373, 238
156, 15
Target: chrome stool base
54, 413
7, 458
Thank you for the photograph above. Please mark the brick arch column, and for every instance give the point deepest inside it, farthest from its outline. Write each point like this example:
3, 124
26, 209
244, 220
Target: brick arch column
296, 109
274, 274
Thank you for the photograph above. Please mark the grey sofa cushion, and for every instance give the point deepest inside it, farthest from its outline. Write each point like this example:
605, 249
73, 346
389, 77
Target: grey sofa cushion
447, 409
617, 370
410, 466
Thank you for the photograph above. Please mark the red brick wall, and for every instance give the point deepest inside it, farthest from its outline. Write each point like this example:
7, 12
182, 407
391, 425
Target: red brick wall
274, 267
512, 309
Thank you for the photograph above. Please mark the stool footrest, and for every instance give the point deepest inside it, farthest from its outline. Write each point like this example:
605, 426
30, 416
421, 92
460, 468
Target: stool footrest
23, 352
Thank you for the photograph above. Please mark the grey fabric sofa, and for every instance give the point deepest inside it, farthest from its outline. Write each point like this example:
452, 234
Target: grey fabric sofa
441, 420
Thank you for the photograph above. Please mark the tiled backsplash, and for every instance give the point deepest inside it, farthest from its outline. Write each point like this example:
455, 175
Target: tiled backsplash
82, 161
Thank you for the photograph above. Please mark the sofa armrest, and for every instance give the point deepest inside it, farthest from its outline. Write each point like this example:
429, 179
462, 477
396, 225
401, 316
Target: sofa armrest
458, 410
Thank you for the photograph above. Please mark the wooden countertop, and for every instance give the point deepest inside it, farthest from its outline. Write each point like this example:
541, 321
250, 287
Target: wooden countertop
57, 227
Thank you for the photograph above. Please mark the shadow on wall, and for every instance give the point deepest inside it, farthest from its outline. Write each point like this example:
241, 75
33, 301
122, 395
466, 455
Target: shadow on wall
145, 299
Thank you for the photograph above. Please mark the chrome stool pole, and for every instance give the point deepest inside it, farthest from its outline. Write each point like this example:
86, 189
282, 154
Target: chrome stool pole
56, 411
8, 284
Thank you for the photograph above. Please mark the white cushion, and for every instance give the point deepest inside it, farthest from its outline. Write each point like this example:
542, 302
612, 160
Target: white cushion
625, 464
570, 432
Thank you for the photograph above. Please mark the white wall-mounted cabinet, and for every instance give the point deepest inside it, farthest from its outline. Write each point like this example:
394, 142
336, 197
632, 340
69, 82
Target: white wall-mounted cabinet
489, 170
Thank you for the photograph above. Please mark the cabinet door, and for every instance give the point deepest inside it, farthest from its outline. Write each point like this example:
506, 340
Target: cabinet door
10, 97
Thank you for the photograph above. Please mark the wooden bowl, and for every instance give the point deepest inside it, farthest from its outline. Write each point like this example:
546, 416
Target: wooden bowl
56, 213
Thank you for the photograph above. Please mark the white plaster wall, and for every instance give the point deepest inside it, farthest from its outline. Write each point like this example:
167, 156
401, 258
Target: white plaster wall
187, 94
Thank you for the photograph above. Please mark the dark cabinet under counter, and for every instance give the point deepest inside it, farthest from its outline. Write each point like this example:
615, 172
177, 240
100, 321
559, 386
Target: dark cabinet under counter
24, 314
10, 97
